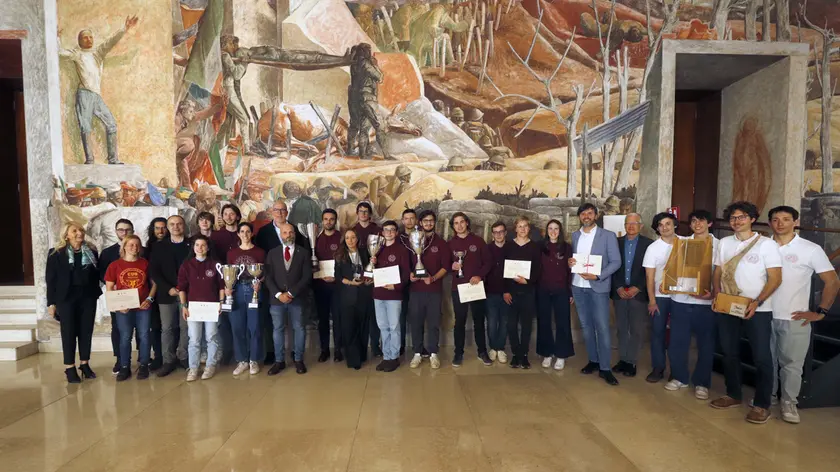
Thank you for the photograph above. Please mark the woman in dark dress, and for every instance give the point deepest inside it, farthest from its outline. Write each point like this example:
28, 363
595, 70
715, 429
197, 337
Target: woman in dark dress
355, 302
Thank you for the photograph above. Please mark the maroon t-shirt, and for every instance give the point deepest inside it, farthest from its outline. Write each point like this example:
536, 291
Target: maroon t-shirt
436, 256
363, 233
554, 263
126, 275
223, 242
477, 259
200, 280
495, 282
325, 247
393, 255
238, 256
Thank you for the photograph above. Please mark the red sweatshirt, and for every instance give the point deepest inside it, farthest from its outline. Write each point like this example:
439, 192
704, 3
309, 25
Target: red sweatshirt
127, 275
477, 259
224, 241
435, 257
554, 263
200, 280
495, 283
325, 247
388, 256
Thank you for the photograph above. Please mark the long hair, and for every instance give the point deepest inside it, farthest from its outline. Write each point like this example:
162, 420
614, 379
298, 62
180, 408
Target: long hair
150, 232
206, 240
62, 238
130, 238
561, 238
342, 254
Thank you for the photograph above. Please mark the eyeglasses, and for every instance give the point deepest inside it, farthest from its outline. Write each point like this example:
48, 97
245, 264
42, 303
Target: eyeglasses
734, 218
125, 230
428, 221
280, 210
499, 232
632, 223
388, 230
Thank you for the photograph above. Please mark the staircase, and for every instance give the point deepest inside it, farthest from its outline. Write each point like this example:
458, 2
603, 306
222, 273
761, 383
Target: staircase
18, 322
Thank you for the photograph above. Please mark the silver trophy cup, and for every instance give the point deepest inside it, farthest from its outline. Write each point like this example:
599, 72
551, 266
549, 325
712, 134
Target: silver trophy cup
230, 274
460, 255
374, 243
418, 241
310, 233
255, 270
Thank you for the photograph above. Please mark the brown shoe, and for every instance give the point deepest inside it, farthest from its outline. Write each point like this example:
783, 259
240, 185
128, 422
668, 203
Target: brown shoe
725, 402
758, 415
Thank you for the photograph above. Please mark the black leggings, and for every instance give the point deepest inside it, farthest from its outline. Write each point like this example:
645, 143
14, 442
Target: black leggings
77, 316
521, 315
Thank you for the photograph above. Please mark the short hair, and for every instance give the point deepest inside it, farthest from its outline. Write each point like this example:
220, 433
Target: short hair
235, 210
409, 210
784, 209
124, 221
329, 211
426, 213
747, 207
206, 240
462, 215
244, 223
126, 240
390, 223
177, 216
497, 224
206, 215
364, 205
520, 219
587, 206
701, 215
663, 216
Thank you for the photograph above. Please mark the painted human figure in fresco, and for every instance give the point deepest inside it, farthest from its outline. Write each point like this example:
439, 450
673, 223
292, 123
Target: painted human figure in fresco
479, 131
362, 103
89, 62
429, 27
189, 158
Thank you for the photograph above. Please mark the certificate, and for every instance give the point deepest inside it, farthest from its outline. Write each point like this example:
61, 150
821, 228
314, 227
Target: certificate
386, 276
121, 300
204, 311
469, 293
514, 268
586, 264
325, 269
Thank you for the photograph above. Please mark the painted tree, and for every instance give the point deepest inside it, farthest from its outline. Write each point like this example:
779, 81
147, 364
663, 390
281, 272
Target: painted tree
783, 20
749, 21
720, 13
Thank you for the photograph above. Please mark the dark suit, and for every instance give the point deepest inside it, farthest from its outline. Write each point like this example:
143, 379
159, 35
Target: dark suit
163, 269
355, 310
631, 315
295, 281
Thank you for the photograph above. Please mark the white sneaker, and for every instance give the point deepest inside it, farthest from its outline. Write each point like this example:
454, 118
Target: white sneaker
240, 368
502, 357
701, 393
209, 372
675, 385
192, 375
492, 354
254, 367
416, 361
434, 361
546, 363
789, 412
559, 364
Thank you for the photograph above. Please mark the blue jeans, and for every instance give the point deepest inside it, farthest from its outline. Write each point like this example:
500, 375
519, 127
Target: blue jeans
278, 319
139, 320
593, 310
245, 325
497, 315
658, 328
388, 320
687, 318
210, 330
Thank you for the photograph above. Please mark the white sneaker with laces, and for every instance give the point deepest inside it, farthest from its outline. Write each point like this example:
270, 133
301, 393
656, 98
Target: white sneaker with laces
675, 385
240, 368
789, 412
192, 375
502, 357
435, 361
701, 393
559, 364
416, 361
492, 354
546, 363
209, 372
254, 367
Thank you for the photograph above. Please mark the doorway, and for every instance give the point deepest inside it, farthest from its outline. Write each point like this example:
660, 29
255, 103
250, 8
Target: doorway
17, 266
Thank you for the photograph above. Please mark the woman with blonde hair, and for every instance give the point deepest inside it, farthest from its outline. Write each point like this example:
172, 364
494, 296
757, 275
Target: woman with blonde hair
520, 292
72, 290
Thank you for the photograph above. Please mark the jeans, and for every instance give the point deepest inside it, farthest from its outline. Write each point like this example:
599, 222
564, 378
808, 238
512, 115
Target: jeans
155, 335
497, 315
278, 320
245, 325
759, 330
116, 338
631, 318
479, 312
138, 320
558, 341
211, 335
688, 318
789, 343
521, 317
424, 315
594, 312
225, 351
173, 333
388, 320
658, 329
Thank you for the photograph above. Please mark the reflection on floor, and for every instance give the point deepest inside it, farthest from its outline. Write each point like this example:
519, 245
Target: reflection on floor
338, 419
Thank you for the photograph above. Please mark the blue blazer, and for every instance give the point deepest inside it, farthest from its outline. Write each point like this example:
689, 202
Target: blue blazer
606, 246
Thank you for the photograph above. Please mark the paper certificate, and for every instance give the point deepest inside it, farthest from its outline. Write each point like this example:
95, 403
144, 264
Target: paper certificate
514, 268
325, 269
386, 276
586, 264
469, 293
121, 300
204, 311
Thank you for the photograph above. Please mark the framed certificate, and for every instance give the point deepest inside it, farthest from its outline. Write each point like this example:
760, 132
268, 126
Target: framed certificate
469, 293
515, 268
386, 276
586, 264
121, 300
204, 311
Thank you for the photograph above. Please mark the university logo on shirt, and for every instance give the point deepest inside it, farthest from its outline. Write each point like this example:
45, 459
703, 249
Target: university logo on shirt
209, 273
333, 247
792, 258
392, 258
752, 258
559, 256
434, 249
473, 248
132, 278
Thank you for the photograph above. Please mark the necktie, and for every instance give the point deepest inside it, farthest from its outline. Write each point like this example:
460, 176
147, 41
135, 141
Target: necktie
287, 254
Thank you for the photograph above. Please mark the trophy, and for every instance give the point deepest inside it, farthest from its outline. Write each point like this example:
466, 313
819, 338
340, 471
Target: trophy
255, 270
310, 233
374, 243
418, 240
460, 255
230, 274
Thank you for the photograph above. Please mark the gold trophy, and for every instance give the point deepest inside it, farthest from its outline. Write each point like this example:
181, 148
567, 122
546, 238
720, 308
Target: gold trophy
418, 240
374, 243
310, 233
255, 270
230, 274
460, 255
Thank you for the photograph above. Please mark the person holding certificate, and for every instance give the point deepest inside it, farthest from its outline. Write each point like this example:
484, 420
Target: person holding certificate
245, 320
554, 294
198, 281
355, 298
659, 304
471, 262
387, 299
520, 290
497, 309
123, 227
131, 272
325, 246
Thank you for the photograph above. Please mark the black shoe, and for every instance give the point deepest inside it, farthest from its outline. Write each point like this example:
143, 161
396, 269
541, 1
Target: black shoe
377, 353
72, 375
630, 370
155, 364
185, 364
590, 368
276, 368
524, 363
339, 357
324, 357
514, 362
116, 368
424, 353
655, 376
608, 377
457, 361
143, 373
402, 351
124, 374
269, 359
87, 372
392, 365
300, 367
621, 367
381, 366
485, 358
167, 369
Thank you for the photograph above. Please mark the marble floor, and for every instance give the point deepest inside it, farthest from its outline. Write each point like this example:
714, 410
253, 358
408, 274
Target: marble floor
337, 419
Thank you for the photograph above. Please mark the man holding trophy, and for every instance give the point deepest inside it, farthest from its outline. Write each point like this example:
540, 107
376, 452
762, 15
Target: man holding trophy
245, 317
326, 244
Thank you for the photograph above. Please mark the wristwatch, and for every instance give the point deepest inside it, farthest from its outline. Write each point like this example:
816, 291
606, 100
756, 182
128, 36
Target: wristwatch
821, 311
151, 299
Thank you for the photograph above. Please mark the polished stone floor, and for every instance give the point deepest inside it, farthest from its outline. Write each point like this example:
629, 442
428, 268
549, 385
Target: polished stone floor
336, 419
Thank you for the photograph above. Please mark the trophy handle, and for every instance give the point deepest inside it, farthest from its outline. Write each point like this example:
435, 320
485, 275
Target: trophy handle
241, 270
219, 270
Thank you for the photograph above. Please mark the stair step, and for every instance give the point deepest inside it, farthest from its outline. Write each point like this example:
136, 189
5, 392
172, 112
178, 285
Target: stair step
21, 291
18, 317
17, 333
16, 303
13, 351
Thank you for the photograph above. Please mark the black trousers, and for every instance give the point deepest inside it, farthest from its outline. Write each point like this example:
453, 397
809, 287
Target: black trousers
479, 314
556, 342
77, 316
355, 323
521, 320
758, 330
155, 335
424, 312
324, 305
403, 315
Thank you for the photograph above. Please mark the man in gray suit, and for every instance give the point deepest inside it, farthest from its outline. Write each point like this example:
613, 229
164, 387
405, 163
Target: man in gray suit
592, 292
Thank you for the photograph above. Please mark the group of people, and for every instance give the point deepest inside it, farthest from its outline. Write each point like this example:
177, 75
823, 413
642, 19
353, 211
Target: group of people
174, 271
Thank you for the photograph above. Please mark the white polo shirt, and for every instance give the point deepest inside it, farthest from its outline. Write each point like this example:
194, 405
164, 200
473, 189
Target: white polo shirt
800, 260
688, 299
751, 273
584, 246
656, 257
